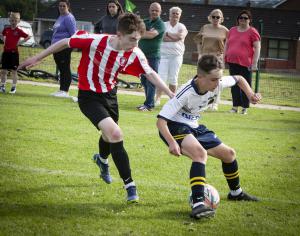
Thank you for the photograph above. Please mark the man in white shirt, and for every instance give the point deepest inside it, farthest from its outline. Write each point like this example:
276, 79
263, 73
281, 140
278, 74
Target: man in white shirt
179, 129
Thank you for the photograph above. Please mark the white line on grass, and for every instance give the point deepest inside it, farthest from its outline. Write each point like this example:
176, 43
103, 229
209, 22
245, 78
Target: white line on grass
145, 183
45, 171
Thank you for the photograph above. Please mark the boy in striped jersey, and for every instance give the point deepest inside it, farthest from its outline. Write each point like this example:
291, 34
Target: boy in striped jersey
103, 58
179, 129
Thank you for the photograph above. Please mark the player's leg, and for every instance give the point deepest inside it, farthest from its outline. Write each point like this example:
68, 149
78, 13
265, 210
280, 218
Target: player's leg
3, 80
101, 159
231, 171
193, 149
14, 81
6, 64
102, 110
115, 137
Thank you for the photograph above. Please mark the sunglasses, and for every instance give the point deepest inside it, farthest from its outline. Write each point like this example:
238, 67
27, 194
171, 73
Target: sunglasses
216, 17
243, 18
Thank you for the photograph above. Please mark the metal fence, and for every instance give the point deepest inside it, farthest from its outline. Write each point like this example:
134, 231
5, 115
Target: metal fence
276, 88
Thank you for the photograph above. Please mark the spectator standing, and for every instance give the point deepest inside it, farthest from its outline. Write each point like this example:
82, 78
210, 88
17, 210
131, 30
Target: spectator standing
211, 40
64, 27
171, 51
10, 56
242, 51
103, 58
150, 45
108, 23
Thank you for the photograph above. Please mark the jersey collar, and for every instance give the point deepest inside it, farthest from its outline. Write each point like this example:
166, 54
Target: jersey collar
193, 83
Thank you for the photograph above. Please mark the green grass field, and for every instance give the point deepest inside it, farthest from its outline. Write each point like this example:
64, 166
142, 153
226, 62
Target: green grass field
50, 186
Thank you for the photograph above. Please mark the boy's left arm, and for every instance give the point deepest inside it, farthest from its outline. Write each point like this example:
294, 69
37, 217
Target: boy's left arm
243, 84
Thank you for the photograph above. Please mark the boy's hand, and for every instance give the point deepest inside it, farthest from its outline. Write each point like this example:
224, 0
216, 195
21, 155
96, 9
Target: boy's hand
171, 94
255, 98
28, 63
174, 149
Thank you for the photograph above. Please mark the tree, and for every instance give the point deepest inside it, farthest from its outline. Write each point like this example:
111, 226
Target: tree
25, 7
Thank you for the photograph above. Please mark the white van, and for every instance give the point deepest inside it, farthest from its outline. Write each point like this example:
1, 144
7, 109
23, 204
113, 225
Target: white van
25, 26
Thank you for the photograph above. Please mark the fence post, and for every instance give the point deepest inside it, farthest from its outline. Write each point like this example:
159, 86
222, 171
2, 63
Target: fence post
261, 24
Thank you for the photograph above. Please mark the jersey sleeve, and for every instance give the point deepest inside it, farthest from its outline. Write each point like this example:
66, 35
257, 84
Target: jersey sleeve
23, 34
81, 39
227, 82
173, 106
137, 64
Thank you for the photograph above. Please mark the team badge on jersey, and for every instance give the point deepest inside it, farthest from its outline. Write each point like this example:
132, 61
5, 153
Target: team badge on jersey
123, 61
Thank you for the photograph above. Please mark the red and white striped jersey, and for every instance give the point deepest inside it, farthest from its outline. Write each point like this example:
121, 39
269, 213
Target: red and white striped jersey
100, 64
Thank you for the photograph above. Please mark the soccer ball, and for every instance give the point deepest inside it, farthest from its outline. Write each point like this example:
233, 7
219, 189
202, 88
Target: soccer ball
211, 197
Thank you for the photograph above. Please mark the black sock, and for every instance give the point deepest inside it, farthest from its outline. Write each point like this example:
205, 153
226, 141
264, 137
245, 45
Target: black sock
231, 173
121, 161
104, 148
197, 181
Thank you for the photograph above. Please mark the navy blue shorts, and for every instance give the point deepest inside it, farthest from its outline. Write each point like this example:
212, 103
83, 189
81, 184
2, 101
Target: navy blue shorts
207, 138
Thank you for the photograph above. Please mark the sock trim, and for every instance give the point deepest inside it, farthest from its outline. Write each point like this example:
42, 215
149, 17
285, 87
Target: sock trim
129, 185
236, 192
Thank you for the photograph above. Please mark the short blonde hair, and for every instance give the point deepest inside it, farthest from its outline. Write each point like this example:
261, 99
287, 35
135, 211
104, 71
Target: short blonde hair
175, 9
14, 15
214, 11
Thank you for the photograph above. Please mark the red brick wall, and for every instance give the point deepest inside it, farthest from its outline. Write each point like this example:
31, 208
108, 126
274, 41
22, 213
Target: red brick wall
279, 64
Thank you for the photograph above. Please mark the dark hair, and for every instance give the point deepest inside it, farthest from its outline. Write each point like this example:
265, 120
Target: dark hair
207, 63
129, 22
66, 2
120, 9
248, 13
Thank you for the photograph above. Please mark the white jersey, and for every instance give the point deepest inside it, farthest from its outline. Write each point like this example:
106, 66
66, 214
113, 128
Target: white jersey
186, 106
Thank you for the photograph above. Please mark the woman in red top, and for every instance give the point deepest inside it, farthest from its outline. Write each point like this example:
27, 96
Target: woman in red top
10, 57
242, 51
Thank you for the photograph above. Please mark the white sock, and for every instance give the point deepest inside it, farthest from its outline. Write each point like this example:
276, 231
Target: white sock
198, 204
103, 160
129, 185
236, 192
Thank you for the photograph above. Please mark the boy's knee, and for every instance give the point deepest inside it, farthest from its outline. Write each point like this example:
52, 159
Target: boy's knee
200, 155
116, 135
230, 155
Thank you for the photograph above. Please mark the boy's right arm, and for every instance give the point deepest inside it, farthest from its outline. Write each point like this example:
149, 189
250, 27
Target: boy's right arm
174, 148
57, 47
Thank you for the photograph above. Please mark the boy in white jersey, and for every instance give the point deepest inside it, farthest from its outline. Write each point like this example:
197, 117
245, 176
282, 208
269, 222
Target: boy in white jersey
103, 57
179, 129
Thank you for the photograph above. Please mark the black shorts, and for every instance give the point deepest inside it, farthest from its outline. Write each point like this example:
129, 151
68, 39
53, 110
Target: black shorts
10, 60
98, 106
207, 138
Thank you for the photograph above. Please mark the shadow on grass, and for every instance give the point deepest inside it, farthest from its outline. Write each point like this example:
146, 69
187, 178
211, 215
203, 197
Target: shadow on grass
88, 210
